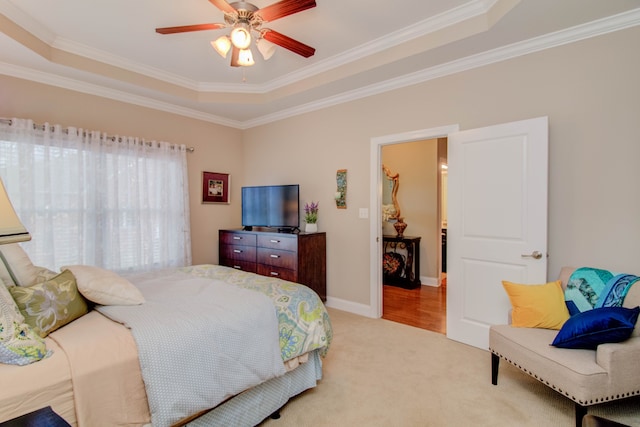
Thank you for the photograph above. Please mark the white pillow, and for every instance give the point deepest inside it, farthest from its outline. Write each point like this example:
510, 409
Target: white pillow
5, 277
18, 262
104, 287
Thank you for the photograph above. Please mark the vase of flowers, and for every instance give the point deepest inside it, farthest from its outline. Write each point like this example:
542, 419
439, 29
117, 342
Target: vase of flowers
311, 217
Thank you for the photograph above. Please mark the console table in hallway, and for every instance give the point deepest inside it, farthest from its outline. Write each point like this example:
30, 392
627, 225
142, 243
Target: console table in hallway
401, 261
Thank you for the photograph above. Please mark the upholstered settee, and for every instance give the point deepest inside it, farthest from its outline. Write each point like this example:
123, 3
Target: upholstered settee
586, 376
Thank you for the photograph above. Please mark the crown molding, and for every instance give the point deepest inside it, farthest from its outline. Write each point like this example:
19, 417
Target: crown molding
116, 95
431, 25
596, 28
101, 56
27, 22
448, 18
571, 35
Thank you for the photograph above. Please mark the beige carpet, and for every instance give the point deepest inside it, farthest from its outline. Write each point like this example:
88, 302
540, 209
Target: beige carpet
381, 373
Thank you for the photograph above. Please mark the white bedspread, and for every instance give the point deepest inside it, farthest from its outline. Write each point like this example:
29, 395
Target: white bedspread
200, 341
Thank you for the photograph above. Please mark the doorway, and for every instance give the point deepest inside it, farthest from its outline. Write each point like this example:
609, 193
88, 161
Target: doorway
411, 306
490, 168
412, 282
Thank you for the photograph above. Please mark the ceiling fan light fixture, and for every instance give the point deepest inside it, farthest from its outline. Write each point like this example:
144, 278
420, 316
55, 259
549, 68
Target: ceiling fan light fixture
266, 48
244, 18
241, 37
222, 45
245, 58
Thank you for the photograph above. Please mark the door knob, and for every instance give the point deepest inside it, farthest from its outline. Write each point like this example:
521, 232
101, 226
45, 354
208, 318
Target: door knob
534, 254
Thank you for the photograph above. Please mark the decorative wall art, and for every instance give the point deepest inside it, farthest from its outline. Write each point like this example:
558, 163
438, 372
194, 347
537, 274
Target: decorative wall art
341, 193
215, 187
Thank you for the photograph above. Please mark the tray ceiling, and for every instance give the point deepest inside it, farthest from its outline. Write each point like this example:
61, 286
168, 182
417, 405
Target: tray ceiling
110, 48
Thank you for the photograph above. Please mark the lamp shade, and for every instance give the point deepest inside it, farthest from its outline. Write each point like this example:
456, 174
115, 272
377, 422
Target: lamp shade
245, 58
222, 45
240, 37
11, 229
266, 48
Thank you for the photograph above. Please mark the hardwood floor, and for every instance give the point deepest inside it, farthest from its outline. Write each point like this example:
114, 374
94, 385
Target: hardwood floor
423, 308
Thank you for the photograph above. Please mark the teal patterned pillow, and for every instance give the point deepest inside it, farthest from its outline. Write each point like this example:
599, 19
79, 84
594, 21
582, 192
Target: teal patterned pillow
19, 344
50, 305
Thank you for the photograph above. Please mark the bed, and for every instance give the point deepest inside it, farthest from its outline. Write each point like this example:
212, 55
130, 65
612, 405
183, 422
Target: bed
153, 363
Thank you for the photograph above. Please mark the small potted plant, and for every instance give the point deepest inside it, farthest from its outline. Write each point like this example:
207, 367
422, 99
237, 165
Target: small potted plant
311, 217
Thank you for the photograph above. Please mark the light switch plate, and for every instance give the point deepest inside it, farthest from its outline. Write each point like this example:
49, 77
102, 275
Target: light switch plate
364, 213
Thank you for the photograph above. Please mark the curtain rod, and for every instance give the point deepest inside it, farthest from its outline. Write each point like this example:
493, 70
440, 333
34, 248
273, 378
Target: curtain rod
112, 138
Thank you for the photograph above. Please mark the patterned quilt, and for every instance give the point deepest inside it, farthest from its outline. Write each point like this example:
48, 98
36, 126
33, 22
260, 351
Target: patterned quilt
303, 321
206, 333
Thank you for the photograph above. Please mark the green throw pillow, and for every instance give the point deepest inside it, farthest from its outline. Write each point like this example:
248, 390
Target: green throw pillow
50, 305
19, 344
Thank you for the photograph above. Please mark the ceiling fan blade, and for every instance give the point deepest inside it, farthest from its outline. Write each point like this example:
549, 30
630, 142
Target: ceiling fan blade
288, 43
222, 5
284, 8
188, 28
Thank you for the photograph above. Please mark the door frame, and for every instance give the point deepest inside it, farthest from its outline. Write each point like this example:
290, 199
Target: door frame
375, 201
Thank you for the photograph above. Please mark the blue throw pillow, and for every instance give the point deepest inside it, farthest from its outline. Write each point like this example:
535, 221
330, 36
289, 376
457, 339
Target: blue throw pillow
598, 326
572, 307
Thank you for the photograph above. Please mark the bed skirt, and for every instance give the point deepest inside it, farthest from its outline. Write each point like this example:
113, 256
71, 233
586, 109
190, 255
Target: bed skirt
251, 407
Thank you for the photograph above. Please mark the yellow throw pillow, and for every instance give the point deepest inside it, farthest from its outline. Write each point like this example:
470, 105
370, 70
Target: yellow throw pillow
537, 306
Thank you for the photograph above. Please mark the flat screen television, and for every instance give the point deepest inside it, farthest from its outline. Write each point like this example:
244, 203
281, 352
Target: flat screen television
273, 206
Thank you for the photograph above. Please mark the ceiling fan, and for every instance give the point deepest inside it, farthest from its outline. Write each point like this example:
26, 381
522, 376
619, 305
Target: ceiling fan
245, 18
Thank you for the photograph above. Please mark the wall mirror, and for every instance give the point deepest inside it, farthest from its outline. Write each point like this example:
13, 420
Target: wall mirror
390, 207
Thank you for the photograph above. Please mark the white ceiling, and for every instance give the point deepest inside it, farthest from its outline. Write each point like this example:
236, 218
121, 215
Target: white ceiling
110, 48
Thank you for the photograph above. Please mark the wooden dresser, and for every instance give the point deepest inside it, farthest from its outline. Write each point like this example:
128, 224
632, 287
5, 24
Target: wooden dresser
297, 257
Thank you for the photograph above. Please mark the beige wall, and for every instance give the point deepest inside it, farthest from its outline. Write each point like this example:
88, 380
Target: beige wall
589, 90
217, 148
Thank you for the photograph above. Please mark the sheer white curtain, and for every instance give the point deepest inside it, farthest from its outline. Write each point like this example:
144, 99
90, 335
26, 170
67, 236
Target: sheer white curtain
120, 203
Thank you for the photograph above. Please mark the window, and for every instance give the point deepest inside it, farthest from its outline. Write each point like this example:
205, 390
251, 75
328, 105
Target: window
119, 203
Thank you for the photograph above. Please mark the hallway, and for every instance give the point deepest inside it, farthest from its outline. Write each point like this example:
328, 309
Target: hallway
423, 308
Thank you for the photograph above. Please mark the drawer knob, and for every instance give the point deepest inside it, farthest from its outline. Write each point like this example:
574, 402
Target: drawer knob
237, 251
273, 273
275, 241
237, 238
274, 256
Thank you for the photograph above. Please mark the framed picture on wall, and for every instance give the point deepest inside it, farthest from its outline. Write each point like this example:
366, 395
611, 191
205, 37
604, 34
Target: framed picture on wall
215, 187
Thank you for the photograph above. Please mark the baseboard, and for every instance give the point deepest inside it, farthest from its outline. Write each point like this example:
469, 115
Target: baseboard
350, 307
429, 281
366, 310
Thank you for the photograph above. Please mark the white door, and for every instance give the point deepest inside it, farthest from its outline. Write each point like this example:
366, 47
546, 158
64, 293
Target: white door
497, 222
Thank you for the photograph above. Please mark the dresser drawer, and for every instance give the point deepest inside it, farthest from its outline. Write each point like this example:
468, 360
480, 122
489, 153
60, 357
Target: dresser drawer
279, 272
238, 252
276, 258
249, 267
295, 257
231, 238
283, 242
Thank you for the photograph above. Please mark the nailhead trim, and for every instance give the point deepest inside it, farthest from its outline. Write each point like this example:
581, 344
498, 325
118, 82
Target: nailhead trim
547, 383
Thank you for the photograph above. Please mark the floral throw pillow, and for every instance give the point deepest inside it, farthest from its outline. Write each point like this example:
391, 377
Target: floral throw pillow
19, 344
50, 305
